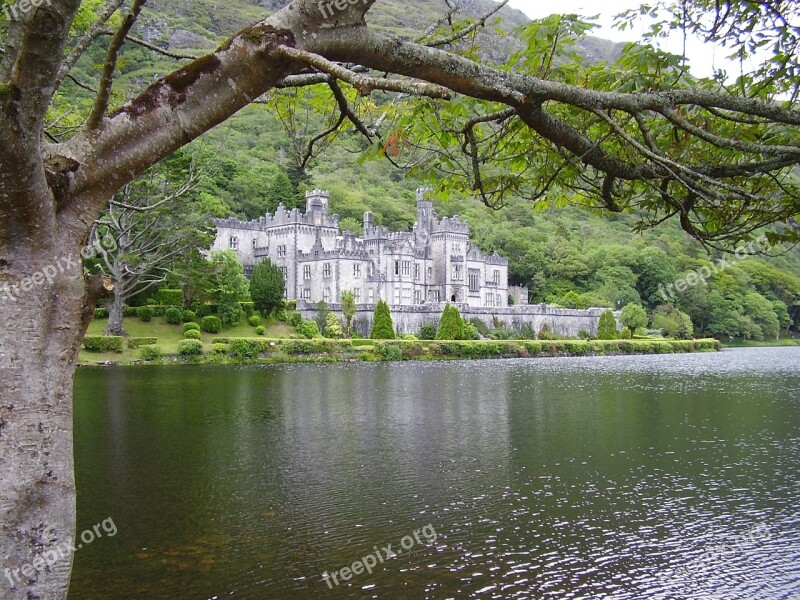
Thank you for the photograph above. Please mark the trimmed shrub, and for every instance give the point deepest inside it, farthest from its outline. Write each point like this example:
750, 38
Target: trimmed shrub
295, 319
138, 342
100, 313
190, 326
333, 327
219, 348
190, 348
471, 332
189, 316
254, 321
102, 343
427, 332
211, 324
382, 326
625, 334
451, 325
261, 330
191, 334
166, 297
248, 308
309, 329
150, 353
130, 311
317, 346
607, 326
146, 313
173, 315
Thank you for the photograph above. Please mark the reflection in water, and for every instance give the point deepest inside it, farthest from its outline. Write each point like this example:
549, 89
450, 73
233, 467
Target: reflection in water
627, 477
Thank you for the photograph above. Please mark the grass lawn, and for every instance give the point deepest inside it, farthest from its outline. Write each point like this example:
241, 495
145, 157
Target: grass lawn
169, 336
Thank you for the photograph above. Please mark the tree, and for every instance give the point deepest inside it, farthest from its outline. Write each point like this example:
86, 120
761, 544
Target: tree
633, 316
229, 284
717, 159
672, 322
382, 326
348, 300
281, 191
451, 325
266, 287
145, 235
607, 327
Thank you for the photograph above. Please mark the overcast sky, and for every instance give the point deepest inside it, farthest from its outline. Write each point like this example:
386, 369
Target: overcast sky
702, 57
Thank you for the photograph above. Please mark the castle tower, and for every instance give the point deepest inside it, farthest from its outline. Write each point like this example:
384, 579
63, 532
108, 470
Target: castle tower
317, 205
425, 213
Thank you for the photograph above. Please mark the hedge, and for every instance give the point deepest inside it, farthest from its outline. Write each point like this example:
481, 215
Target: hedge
103, 343
100, 313
167, 297
138, 342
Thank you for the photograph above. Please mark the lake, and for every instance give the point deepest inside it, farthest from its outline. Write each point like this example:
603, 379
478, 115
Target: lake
666, 476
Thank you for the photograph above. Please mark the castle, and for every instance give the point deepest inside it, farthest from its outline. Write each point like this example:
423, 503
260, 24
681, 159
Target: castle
434, 262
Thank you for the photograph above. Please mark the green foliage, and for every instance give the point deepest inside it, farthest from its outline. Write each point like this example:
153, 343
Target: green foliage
254, 321
100, 313
192, 326
607, 327
266, 287
625, 334
451, 325
427, 332
188, 316
247, 348
146, 313
349, 307
173, 315
281, 191
633, 316
190, 348
322, 314
219, 348
230, 285
333, 327
211, 324
382, 325
309, 329
167, 297
545, 333
150, 353
471, 332
672, 322
261, 330
295, 319
102, 343
388, 351
138, 342
503, 333
192, 334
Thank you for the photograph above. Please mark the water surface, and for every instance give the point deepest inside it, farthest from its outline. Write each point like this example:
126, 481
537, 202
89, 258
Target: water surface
674, 476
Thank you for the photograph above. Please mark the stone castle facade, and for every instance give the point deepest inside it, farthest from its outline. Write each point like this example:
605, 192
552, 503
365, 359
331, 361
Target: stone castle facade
433, 263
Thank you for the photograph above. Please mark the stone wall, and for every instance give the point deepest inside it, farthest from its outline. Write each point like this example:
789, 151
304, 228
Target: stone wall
565, 322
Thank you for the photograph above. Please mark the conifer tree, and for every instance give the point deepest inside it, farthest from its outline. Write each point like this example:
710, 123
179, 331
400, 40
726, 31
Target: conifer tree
382, 326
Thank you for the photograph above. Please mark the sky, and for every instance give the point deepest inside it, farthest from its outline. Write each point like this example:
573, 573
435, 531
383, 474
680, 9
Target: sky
703, 57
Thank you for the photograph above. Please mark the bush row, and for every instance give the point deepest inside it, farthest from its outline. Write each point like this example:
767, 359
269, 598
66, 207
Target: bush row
138, 342
102, 343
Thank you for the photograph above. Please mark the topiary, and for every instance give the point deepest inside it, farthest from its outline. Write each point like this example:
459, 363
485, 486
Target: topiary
451, 326
189, 316
211, 324
382, 326
309, 329
261, 330
190, 326
190, 348
254, 321
607, 326
146, 313
191, 334
173, 315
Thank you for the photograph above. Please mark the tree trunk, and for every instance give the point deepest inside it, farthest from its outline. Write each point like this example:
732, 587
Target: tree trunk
116, 309
43, 324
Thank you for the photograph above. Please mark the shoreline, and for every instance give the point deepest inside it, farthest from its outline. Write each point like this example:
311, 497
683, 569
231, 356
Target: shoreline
238, 351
